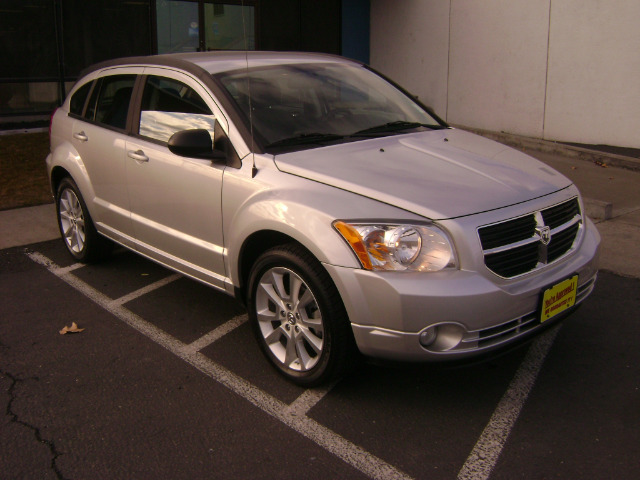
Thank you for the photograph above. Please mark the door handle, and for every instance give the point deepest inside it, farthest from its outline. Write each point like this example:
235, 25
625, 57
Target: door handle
81, 136
138, 156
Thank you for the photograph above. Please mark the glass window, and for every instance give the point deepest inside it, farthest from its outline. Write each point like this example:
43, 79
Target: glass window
110, 100
177, 26
30, 97
79, 99
98, 30
226, 26
28, 39
329, 99
169, 106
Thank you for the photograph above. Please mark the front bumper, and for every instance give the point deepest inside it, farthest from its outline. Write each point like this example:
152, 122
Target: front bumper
389, 310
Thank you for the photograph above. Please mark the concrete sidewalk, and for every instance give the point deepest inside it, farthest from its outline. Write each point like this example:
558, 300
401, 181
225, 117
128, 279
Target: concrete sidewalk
611, 194
23, 226
612, 200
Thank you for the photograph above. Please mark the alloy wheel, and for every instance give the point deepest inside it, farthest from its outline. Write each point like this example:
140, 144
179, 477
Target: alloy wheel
289, 319
72, 221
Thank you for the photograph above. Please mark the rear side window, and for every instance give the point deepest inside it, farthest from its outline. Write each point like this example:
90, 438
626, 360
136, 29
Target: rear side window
76, 106
109, 104
169, 106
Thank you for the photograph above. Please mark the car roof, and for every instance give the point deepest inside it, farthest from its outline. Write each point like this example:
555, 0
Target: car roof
221, 61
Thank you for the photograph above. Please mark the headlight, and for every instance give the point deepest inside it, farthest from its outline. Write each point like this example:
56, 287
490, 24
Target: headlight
399, 247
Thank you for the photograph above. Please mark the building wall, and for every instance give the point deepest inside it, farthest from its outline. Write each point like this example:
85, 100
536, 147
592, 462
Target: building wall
45, 44
562, 70
410, 43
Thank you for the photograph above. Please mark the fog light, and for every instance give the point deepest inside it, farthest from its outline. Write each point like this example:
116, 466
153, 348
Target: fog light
443, 337
428, 336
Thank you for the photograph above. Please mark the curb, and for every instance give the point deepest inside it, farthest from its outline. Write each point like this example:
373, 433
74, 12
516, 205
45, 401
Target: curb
546, 146
20, 131
597, 210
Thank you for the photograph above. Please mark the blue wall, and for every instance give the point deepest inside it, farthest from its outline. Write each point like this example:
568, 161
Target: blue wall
355, 29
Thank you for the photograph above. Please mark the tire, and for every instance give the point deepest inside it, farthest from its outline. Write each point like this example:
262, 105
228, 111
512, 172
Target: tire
298, 317
78, 232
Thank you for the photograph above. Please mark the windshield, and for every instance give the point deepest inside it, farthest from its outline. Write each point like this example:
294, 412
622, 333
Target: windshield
309, 104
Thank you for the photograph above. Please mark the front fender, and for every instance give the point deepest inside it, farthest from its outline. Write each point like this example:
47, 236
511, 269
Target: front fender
301, 222
298, 208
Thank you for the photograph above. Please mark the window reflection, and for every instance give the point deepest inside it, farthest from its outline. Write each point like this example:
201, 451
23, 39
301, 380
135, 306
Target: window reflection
28, 97
162, 125
177, 26
226, 26
169, 106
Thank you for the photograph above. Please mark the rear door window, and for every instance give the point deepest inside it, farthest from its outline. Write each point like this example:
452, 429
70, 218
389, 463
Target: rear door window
109, 104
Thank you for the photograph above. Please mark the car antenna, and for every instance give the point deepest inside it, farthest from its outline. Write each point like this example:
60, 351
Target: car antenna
254, 170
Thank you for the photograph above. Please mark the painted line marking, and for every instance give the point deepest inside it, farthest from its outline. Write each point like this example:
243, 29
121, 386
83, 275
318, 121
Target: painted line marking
217, 333
71, 268
308, 399
144, 290
488, 448
324, 437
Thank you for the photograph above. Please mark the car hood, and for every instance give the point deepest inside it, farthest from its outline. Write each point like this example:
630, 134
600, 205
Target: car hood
438, 174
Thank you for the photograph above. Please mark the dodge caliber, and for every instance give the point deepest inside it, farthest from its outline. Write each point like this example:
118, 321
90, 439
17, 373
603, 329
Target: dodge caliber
347, 216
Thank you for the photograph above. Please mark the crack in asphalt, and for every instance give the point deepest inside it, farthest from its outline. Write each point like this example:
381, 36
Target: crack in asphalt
36, 431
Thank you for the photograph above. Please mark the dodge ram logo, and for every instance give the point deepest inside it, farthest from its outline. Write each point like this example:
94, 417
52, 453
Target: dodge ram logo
545, 234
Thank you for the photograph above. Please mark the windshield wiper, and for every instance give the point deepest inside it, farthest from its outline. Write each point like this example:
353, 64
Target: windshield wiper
306, 138
396, 126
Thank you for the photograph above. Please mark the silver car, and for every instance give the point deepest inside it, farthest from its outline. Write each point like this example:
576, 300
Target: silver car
346, 215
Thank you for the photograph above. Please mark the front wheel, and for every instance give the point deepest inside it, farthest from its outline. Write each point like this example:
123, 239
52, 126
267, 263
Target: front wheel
298, 316
76, 227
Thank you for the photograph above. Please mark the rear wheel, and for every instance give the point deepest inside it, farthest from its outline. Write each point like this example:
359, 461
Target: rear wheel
298, 316
76, 227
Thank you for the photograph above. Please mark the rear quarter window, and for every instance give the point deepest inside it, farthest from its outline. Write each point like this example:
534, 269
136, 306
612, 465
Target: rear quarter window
79, 98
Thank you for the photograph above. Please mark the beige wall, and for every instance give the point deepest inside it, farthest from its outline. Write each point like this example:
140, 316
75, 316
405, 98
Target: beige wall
565, 70
409, 43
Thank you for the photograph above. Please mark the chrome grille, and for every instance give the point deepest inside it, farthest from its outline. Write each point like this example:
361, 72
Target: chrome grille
520, 245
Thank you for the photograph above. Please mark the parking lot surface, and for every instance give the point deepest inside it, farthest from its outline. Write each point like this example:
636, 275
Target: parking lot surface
166, 380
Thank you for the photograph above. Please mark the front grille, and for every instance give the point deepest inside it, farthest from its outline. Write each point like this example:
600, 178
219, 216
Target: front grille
560, 214
561, 242
511, 232
514, 261
520, 245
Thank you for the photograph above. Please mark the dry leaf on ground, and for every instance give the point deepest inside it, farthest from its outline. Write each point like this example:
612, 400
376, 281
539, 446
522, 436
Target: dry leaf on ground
72, 329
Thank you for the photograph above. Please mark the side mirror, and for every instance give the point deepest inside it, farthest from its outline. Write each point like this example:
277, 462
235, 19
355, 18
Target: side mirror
194, 143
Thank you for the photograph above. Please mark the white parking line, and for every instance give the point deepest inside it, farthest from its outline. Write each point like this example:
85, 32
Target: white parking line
308, 399
486, 452
71, 268
217, 333
144, 290
291, 415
